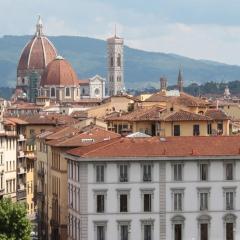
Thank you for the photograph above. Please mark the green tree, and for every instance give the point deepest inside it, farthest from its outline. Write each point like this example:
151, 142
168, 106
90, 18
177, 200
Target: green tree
14, 224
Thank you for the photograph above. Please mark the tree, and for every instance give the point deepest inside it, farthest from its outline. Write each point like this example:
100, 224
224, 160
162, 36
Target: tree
14, 224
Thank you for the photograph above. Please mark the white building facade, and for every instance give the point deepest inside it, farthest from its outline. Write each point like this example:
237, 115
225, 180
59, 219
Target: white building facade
93, 87
8, 162
152, 198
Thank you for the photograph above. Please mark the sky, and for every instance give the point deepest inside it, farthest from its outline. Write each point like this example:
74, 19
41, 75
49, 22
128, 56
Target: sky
200, 29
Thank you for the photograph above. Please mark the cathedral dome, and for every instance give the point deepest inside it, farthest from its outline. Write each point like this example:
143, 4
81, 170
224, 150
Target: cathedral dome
38, 52
59, 72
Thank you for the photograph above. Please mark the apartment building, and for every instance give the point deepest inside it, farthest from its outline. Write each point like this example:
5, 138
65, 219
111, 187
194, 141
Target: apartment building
155, 188
52, 171
8, 161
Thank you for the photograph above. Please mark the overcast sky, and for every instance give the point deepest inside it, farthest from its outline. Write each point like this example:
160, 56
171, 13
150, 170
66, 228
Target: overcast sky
201, 29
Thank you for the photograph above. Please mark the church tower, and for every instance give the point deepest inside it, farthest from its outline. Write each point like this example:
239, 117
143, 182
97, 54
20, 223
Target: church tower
115, 65
180, 80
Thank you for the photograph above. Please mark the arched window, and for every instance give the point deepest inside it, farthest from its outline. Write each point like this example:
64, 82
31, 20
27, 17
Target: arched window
111, 62
67, 92
119, 60
83, 91
53, 92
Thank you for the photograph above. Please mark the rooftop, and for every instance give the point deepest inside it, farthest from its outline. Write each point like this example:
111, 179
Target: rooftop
161, 147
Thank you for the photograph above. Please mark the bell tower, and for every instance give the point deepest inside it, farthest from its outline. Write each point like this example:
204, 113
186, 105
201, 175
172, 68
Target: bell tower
115, 65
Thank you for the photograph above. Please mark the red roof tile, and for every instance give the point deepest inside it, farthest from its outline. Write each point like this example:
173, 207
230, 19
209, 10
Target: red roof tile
167, 147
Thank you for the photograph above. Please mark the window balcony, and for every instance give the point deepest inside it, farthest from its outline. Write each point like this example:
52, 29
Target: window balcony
21, 194
21, 138
21, 170
21, 154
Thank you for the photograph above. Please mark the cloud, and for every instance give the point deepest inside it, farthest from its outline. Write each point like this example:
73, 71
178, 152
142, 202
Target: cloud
200, 29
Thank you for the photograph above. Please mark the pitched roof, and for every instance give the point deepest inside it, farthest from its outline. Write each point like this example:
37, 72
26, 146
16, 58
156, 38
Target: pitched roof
77, 139
161, 147
183, 99
140, 114
216, 114
50, 119
186, 116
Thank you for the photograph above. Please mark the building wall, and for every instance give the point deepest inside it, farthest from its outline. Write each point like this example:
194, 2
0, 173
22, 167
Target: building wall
162, 186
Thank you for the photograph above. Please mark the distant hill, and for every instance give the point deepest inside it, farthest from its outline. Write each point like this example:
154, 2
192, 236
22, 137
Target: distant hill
142, 68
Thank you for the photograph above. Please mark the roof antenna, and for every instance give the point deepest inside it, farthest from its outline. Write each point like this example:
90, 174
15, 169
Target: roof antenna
115, 30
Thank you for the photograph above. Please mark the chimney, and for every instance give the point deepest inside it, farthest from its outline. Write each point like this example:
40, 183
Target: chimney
163, 84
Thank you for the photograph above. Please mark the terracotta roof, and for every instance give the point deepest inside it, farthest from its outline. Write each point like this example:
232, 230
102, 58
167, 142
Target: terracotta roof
186, 116
216, 114
59, 72
50, 119
91, 136
161, 147
38, 52
140, 114
79, 114
16, 120
84, 82
184, 99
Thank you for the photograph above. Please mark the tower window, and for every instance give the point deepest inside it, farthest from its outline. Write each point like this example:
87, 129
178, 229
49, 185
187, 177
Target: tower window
111, 61
23, 81
119, 60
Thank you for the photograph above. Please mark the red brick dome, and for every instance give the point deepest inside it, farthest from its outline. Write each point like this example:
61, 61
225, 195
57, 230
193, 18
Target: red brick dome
38, 52
59, 72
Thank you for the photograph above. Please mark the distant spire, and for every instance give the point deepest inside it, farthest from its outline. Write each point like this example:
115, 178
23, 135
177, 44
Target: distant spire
180, 80
39, 27
115, 30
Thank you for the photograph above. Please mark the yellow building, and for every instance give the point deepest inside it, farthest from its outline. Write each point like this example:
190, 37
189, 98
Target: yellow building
52, 171
159, 121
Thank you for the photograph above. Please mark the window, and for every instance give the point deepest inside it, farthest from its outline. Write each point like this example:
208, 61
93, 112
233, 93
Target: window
67, 92
178, 231
100, 173
203, 231
229, 171
177, 200
203, 171
53, 92
147, 172
220, 128
229, 231
112, 62
123, 202
97, 91
177, 172
203, 201
209, 129
124, 232
147, 232
100, 233
123, 173
100, 203
176, 130
196, 130
229, 200
147, 202
119, 60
